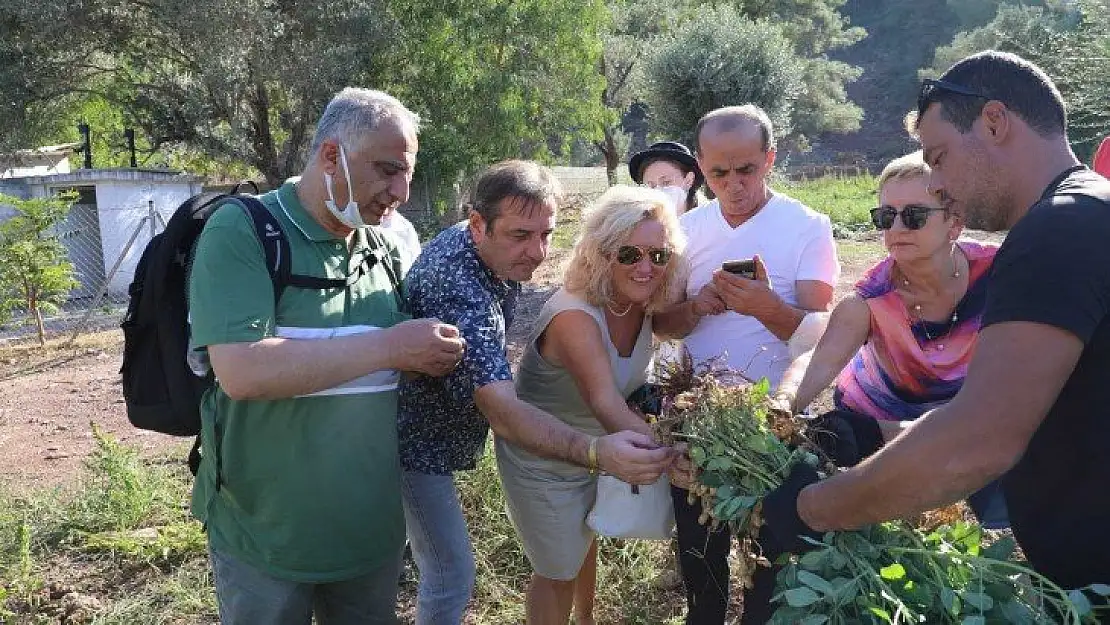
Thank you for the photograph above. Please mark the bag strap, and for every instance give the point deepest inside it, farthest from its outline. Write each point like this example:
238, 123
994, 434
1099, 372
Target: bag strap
243, 183
279, 262
194, 457
276, 248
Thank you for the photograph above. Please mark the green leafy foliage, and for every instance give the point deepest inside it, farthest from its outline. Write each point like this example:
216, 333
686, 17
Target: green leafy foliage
35, 272
771, 54
887, 573
633, 31
891, 573
495, 79
721, 58
1070, 41
815, 28
216, 85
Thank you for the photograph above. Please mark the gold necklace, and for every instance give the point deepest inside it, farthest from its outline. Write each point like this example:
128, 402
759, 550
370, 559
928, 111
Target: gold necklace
619, 314
924, 323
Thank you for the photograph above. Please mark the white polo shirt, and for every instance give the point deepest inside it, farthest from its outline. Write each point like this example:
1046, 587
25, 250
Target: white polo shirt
396, 224
795, 243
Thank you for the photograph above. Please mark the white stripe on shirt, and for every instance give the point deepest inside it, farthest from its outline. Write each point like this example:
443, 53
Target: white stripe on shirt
381, 381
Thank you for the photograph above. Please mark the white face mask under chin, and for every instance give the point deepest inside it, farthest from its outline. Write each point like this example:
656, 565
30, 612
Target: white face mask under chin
349, 215
677, 196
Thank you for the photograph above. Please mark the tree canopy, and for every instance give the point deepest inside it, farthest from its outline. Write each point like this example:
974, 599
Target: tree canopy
770, 53
1070, 41
245, 80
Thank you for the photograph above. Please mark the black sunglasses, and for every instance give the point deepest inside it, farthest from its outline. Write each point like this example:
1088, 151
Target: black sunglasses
930, 86
632, 254
914, 216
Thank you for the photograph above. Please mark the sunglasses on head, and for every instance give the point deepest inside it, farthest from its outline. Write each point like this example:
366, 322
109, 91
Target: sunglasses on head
914, 216
930, 87
632, 254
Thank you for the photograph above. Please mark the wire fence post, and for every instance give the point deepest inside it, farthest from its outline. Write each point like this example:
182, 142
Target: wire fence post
103, 290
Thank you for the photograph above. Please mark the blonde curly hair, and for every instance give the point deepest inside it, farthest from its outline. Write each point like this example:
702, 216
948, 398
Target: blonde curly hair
606, 226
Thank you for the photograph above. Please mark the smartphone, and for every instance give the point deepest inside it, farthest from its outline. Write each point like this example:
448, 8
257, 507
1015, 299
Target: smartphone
743, 268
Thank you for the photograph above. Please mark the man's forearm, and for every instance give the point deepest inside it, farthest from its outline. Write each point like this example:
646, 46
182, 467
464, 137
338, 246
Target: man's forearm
676, 322
540, 433
783, 320
279, 368
933, 463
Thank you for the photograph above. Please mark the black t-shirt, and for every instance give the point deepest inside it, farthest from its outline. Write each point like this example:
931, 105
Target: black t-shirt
1054, 268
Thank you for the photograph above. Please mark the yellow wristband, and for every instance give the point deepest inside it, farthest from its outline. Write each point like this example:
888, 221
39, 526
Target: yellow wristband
591, 455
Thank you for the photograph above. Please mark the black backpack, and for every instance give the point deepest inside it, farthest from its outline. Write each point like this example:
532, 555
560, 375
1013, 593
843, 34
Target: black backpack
161, 391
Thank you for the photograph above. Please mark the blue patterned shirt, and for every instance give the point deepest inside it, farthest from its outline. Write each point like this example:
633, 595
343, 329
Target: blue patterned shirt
440, 429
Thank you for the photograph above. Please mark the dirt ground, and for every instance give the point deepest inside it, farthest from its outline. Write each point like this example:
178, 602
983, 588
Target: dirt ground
50, 398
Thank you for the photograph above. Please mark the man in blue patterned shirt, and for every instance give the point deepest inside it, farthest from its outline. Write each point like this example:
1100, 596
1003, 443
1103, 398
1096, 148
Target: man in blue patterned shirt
470, 276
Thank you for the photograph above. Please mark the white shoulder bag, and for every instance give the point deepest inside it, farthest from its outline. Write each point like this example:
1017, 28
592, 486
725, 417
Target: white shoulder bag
619, 512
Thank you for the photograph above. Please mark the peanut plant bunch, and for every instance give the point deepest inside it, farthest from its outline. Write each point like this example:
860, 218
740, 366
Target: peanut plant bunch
888, 573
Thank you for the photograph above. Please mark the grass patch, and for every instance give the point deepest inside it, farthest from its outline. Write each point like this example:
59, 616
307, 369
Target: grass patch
860, 251
568, 223
122, 536
845, 199
123, 543
182, 595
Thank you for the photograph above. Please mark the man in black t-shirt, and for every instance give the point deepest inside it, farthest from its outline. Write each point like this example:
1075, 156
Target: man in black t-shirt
1036, 401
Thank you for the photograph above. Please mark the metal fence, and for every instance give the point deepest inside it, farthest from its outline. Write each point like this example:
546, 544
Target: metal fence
104, 244
587, 181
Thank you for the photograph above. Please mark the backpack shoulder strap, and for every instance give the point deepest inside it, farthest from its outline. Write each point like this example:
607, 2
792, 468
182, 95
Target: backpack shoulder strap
381, 249
274, 244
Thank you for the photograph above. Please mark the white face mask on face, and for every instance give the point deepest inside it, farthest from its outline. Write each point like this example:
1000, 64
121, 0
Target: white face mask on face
349, 215
677, 196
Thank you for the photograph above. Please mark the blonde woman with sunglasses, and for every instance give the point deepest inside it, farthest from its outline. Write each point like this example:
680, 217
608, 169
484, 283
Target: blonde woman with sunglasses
590, 348
900, 345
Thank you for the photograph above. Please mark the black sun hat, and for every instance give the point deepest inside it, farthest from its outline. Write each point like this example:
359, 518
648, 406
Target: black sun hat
664, 150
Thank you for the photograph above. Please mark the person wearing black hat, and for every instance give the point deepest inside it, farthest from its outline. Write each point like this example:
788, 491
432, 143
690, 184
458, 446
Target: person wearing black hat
670, 167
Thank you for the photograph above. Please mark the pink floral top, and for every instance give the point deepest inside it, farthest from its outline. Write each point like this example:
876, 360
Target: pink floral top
908, 366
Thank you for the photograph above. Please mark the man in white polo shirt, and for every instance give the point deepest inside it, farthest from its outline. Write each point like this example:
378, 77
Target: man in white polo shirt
748, 323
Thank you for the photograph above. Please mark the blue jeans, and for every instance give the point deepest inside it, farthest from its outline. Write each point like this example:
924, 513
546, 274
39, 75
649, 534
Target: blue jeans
441, 547
247, 596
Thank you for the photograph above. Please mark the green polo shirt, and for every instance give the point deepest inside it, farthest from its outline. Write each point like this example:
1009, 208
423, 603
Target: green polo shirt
307, 488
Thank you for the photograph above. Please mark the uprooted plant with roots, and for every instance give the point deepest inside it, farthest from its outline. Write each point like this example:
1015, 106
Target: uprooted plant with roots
894, 572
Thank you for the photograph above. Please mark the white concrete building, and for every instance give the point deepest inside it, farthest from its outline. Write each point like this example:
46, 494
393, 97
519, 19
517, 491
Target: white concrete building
111, 208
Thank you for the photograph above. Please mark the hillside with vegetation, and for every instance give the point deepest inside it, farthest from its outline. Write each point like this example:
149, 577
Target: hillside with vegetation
1070, 39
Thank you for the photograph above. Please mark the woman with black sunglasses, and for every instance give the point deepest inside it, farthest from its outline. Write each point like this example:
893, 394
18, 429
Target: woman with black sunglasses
589, 350
901, 344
